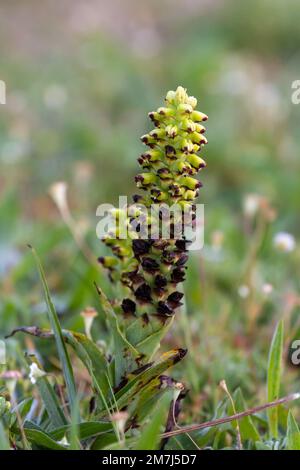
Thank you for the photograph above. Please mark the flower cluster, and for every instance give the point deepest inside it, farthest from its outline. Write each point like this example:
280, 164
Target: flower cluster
151, 268
172, 160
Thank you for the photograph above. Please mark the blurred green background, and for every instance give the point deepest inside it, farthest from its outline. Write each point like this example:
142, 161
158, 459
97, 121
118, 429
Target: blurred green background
81, 77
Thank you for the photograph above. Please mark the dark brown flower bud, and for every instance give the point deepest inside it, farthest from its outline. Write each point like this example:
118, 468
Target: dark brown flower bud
182, 259
181, 245
140, 247
178, 275
143, 293
160, 281
134, 277
128, 306
149, 264
137, 198
164, 309
170, 151
174, 299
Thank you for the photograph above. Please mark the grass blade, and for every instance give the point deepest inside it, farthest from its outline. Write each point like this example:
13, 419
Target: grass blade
247, 428
150, 437
274, 373
51, 402
86, 430
293, 433
4, 443
55, 325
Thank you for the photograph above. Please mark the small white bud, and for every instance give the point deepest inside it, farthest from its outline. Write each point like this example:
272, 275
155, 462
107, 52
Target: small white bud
284, 242
35, 373
170, 97
181, 95
223, 386
192, 101
251, 204
64, 442
267, 288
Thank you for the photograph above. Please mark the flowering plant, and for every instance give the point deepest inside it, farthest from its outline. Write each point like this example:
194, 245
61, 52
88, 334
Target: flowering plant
129, 385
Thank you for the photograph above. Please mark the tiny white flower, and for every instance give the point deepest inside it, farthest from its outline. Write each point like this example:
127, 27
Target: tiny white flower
243, 291
284, 242
64, 442
267, 288
181, 94
251, 204
35, 373
192, 101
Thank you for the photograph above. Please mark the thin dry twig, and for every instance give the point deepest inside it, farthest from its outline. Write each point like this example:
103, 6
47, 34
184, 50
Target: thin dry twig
227, 419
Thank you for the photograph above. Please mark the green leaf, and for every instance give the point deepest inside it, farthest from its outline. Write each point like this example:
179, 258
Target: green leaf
4, 442
106, 441
3, 406
262, 446
55, 325
150, 435
205, 436
274, 373
22, 409
74, 438
140, 379
41, 439
86, 430
51, 402
124, 353
38, 436
87, 351
293, 433
247, 428
149, 396
146, 336
91, 356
